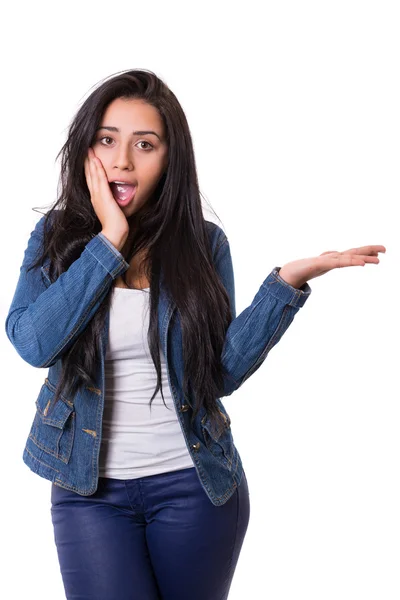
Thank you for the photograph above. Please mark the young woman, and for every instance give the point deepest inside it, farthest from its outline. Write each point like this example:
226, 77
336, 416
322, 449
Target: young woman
126, 293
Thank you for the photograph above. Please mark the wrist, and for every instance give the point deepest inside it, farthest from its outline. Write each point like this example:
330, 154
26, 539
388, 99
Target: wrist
116, 240
290, 279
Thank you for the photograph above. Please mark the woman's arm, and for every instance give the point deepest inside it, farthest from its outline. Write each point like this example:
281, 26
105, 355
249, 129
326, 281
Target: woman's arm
260, 326
44, 321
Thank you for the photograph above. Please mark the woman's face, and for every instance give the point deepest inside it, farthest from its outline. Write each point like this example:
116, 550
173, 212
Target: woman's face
127, 153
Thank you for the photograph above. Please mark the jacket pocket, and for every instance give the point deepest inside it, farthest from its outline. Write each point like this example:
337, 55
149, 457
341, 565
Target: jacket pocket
53, 431
219, 444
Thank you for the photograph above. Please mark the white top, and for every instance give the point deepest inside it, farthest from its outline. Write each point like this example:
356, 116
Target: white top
137, 439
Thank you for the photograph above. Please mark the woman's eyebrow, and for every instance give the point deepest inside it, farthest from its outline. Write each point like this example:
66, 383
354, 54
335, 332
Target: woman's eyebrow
134, 132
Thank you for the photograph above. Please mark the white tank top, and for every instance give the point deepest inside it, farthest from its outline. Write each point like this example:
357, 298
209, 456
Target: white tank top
137, 440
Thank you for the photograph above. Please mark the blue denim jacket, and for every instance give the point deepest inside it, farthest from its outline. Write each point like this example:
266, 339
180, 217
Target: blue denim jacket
46, 317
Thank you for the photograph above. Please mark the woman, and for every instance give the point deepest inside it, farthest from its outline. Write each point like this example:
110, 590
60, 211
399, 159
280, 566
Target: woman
149, 500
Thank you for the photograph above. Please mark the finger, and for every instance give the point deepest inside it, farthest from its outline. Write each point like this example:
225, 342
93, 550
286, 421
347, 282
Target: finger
366, 250
86, 166
103, 184
370, 259
93, 175
100, 172
87, 174
372, 249
339, 260
350, 261
357, 260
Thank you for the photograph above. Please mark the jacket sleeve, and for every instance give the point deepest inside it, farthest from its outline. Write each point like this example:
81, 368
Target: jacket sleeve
44, 320
260, 326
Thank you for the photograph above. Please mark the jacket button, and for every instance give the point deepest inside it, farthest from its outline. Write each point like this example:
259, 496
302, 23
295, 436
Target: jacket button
184, 407
196, 446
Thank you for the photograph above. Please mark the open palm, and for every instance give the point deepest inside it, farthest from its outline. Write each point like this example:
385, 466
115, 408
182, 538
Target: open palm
300, 271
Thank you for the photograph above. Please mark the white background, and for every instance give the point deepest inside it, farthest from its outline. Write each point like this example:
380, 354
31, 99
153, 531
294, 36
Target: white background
294, 109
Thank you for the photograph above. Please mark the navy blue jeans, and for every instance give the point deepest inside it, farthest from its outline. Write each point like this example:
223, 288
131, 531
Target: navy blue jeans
152, 538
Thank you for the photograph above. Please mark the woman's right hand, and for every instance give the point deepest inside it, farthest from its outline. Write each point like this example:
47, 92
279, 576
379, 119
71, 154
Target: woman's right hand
114, 223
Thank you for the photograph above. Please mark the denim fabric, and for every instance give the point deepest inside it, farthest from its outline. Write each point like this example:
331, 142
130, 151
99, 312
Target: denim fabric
46, 317
153, 538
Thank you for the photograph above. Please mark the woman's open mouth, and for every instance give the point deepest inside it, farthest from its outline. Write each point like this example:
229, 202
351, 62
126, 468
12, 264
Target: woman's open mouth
123, 193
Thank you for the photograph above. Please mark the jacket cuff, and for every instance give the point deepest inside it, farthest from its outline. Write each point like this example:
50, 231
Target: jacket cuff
106, 253
283, 291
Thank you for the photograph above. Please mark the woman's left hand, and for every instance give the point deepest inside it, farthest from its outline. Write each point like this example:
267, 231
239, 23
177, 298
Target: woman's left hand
298, 272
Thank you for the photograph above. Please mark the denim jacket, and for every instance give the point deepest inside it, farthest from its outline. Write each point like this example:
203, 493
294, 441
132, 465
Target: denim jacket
46, 317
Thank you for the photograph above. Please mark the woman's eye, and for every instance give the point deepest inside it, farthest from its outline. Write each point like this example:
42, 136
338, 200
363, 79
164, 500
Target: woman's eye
104, 138
149, 146
148, 143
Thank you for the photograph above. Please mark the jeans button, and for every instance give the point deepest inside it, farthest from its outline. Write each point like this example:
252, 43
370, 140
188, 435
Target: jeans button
196, 446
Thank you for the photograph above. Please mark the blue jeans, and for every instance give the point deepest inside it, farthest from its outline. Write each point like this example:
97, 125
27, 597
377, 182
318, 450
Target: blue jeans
152, 538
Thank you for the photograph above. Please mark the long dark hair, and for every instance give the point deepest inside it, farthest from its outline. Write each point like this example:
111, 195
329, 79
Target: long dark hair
170, 226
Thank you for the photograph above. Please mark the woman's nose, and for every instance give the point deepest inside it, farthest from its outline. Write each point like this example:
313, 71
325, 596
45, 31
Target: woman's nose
123, 159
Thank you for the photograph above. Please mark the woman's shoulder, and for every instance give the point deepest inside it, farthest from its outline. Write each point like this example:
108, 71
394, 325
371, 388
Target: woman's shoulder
215, 231
217, 235
49, 218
